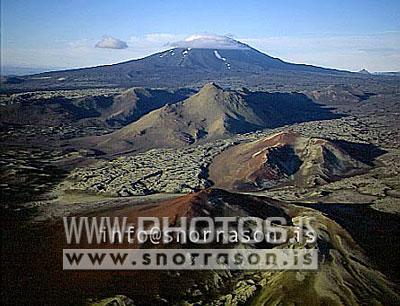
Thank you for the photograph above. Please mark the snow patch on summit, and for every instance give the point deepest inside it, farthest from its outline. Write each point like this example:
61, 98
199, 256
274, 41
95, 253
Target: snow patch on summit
210, 41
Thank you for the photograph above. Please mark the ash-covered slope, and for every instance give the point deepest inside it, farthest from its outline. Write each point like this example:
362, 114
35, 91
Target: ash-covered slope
280, 159
345, 275
136, 102
112, 110
192, 61
210, 114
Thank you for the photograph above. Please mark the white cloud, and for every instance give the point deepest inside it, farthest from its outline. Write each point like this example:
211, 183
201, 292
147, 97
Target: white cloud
109, 42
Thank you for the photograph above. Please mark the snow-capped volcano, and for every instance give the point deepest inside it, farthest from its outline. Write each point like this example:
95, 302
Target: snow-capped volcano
197, 59
210, 41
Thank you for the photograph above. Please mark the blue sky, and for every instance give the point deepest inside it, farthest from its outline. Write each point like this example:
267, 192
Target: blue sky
352, 34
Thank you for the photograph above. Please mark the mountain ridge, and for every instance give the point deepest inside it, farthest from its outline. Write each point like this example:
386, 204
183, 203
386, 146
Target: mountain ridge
212, 113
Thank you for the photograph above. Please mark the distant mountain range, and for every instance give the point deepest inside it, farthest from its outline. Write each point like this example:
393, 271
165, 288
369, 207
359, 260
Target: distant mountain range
388, 73
191, 62
7, 70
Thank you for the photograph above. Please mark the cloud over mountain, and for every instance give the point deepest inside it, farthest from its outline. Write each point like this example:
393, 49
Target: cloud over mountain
209, 41
109, 42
